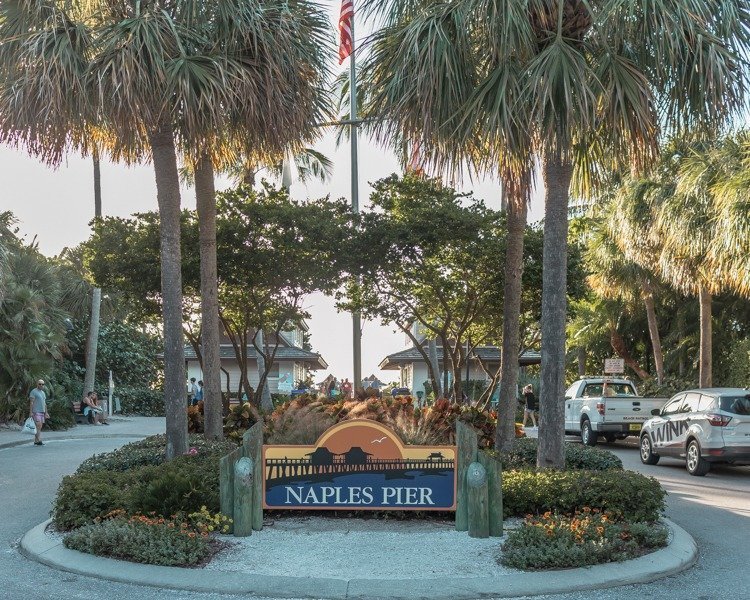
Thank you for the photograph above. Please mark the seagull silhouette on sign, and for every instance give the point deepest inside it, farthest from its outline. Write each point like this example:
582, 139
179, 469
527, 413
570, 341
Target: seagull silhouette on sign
379, 441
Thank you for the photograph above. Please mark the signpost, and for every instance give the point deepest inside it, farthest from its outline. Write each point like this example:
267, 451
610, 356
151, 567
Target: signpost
360, 465
614, 365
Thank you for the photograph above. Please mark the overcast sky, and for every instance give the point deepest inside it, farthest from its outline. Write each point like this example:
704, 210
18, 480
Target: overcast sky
55, 206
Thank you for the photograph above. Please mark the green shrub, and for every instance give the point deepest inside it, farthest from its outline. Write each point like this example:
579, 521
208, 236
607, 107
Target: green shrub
60, 416
184, 484
81, 498
141, 401
577, 457
624, 494
587, 538
149, 451
137, 478
140, 541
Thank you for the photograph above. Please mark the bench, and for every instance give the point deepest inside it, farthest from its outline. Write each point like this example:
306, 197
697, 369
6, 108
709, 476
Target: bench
75, 407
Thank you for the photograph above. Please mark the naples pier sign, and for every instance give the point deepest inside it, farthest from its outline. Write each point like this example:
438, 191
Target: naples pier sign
359, 465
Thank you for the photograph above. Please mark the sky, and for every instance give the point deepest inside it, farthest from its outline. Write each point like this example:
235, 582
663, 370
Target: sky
54, 206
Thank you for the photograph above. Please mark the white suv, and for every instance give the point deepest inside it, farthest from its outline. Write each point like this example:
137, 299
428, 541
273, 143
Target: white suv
703, 427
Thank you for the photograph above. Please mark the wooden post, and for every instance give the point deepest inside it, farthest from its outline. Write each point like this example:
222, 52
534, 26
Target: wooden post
494, 469
226, 483
476, 485
467, 443
252, 442
243, 497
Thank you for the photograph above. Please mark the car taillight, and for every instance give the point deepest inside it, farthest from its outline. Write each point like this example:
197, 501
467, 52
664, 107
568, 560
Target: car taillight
600, 408
718, 420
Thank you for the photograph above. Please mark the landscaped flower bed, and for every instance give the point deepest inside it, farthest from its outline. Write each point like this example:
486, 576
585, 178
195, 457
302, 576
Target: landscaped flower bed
132, 504
588, 537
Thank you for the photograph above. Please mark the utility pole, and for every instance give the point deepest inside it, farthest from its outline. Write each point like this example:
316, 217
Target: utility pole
356, 317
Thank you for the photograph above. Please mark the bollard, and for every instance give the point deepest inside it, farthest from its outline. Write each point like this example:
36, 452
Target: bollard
476, 485
252, 442
243, 497
494, 469
466, 453
226, 483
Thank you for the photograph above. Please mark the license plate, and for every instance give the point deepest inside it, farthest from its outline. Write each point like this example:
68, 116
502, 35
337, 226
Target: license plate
635, 427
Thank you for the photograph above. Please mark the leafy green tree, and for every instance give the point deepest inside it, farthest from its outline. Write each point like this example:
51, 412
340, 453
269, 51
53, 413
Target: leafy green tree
271, 251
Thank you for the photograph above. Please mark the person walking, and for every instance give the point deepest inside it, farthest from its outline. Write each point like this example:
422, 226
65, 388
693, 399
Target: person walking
38, 410
530, 407
193, 392
199, 393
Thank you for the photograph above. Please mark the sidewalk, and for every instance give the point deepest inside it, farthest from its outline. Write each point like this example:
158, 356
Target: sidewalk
135, 427
680, 554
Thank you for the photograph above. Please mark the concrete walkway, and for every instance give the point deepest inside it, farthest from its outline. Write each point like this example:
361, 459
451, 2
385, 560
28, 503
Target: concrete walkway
680, 554
119, 427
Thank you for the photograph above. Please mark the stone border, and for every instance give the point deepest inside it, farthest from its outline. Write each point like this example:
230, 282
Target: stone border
680, 554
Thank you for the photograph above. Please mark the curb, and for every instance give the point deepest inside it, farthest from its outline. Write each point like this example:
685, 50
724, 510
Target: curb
679, 555
139, 436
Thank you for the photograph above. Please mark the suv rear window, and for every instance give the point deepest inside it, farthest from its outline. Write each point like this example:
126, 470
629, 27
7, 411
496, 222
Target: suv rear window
738, 405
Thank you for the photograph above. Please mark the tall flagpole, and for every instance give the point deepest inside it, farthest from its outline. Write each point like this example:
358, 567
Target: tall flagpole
356, 319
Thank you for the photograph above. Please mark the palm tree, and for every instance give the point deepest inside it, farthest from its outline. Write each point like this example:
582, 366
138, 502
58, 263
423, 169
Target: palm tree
156, 77
613, 276
579, 83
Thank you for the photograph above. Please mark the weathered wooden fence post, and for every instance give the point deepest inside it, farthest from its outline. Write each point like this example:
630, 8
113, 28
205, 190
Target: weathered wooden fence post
252, 442
226, 483
476, 485
243, 497
494, 469
467, 443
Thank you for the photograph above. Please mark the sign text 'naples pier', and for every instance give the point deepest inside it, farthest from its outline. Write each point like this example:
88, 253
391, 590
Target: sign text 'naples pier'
360, 464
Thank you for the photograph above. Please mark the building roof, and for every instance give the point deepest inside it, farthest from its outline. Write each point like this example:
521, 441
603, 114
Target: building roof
486, 353
314, 359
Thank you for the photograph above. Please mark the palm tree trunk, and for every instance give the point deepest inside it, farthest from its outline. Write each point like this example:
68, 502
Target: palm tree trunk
92, 343
558, 172
437, 387
506, 430
653, 328
205, 201
705, 378
168, 197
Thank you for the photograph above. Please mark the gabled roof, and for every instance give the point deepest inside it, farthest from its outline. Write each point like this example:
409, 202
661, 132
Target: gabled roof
486, 353
314, 359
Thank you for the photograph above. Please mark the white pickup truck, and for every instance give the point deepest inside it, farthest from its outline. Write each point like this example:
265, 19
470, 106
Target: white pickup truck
608, 407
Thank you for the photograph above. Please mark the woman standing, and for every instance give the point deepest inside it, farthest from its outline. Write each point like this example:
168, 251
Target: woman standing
530, 408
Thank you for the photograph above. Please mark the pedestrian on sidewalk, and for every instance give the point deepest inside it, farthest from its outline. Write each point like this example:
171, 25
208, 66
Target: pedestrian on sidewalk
38, 410
193, 392
530, 407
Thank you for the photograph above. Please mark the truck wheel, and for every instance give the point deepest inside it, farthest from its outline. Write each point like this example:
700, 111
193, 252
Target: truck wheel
647, 452
695, 463
588, 435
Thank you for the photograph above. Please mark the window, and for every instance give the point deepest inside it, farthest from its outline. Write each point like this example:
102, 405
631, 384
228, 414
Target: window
706, 403
571, 392
692, 401
673, 406
738, 405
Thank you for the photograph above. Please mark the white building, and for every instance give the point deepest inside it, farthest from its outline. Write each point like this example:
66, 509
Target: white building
292, 363
413, 373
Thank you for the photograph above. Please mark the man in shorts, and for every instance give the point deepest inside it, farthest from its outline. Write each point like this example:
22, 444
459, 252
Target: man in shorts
38, 410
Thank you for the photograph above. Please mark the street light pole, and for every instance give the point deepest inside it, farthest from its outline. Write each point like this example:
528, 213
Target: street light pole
356, 318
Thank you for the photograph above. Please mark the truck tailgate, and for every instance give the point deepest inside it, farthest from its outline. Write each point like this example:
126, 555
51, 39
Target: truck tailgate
633, 411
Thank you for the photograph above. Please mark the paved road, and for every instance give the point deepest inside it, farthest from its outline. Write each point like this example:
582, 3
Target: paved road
714, 509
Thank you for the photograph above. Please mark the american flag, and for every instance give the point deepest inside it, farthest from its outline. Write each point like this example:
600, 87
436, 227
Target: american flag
345, 29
